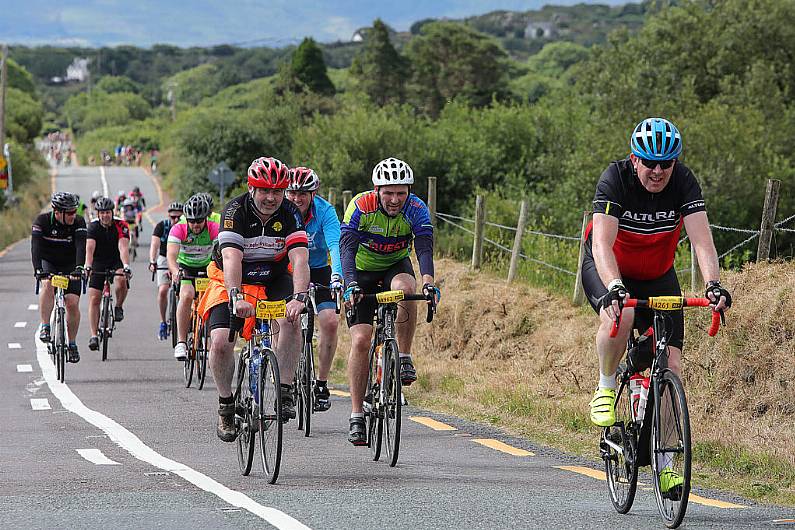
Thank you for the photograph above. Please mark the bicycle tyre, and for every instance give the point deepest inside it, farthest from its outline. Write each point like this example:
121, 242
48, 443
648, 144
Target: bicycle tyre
172, 316
270, 415
392, 408
201, 355
375, 419
303, 385
60, 344
244, 417
621, 468
190, 360
672, 507
105, 327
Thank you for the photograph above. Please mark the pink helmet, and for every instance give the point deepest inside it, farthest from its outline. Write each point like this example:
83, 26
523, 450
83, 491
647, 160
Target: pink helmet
303, 179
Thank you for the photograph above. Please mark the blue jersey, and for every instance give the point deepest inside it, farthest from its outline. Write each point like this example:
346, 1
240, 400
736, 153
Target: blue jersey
323, 232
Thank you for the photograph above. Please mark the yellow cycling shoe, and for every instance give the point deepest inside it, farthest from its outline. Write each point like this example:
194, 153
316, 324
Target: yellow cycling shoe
670, 480
603, 411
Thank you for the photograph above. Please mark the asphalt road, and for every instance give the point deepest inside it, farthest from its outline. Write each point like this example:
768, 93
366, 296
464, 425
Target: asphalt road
169, 470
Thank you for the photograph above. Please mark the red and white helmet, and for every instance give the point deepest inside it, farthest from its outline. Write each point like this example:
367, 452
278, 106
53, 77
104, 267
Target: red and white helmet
303, 179
268, 172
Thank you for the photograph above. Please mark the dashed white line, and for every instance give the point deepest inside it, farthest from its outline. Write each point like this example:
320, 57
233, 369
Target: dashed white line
20, 324
40, 404
95, 456
21, 368
104, 181
14, 346
132, 444
33, 307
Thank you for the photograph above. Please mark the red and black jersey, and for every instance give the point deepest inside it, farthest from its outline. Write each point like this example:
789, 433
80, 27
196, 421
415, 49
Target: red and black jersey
107, 240
649, 224
264, 244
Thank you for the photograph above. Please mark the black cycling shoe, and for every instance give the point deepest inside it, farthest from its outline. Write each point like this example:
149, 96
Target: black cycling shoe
44, 333
288, 407
407, 372
74, 355
93, 343
118, 314
357, 434
322, 398
226, 430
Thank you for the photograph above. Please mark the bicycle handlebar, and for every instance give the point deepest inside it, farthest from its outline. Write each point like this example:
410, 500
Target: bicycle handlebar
672, 303
236, 322
48, 275
406, 297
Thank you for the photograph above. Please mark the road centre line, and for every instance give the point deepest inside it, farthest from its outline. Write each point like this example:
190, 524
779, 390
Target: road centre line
132, 444
502, 446
159, 198
95, 456
22, 368
40, 404
33, 307
14, 346
105, 191
432, 423
20, 324
600, 475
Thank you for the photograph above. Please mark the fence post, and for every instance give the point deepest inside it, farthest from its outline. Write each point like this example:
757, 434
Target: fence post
517, 241
480, 222
432, 199
332, 196
696, 283
346, 198
768, 219
579, 293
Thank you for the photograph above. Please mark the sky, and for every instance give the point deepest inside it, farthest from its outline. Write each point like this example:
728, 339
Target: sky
210, 22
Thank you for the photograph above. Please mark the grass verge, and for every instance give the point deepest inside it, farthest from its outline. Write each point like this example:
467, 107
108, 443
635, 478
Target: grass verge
15, 221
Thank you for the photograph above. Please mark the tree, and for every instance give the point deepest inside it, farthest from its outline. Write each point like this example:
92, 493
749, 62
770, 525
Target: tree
453, 61
113, 84
19, 77
307, 71
379, 68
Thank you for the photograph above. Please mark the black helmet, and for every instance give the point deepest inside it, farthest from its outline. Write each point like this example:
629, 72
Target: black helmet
175, 207
208, 197
104, 204
63, 200
197, 207
136, 190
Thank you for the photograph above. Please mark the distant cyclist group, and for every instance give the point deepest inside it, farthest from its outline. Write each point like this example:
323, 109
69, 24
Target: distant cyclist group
280, 236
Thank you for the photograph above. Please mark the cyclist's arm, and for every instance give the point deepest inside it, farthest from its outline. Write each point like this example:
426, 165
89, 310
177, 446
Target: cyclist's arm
349, 244
35, 245
697, 226
299, 259
233, 267
154, 245
172, 253
331, 231
605, 231
91, 245
80, 241
124, 244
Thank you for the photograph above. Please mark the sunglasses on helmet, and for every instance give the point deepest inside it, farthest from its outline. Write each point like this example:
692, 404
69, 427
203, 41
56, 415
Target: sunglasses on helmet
651, 164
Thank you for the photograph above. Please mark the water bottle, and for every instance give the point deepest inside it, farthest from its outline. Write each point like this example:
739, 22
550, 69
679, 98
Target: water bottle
644, 396
635, 389
254, 367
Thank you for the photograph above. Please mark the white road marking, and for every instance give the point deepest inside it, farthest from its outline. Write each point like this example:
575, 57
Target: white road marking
33, 307
14, 346
40, 404
132, 444
95, 456
104, 182
20, 324
24, 368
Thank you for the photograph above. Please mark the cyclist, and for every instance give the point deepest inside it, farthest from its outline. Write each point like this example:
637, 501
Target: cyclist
377, 234
106, 249
58, 245
95, 195
189, 249
81, 208
120, 198
261, 234
129, 213
640, 205
323, 234
158, 262
214, 216
139, 202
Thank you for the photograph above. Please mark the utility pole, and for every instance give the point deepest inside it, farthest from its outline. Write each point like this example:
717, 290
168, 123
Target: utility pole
3, 82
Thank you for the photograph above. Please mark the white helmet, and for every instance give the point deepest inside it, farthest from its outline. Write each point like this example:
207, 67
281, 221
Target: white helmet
96, 194
392, 171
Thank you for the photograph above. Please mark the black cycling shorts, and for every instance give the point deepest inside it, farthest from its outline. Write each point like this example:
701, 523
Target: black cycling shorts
278, 288
192, 273
665, 285
97, 281
375, 282
322, 276
75, 286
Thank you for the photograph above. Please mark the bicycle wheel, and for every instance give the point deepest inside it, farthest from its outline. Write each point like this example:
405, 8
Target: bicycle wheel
618, 447
270, 415
104, 326
244, 417
172, 315
190, 361
670, 439
303, 385
60, 344
392, 401
201, 355
372, 410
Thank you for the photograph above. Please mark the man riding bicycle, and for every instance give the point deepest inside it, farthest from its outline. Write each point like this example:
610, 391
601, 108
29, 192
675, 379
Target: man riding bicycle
139, 202
323, 234
106, 249
190, 246
375, 244
260, 235
158, 262
58, 246
640, 205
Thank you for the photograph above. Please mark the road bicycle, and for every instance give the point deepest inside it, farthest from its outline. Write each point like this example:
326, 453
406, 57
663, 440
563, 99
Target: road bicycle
198, 340
58, 347
257, 390
107, 320
657, 410
384, 396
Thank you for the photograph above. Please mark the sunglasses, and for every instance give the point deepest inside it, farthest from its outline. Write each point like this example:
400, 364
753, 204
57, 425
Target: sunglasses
195, 221
651, 164
174, 217
70, 212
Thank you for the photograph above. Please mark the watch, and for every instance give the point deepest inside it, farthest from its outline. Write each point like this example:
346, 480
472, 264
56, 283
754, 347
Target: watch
301, 297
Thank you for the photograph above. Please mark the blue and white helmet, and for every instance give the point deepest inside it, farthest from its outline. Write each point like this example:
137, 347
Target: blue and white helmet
656, 139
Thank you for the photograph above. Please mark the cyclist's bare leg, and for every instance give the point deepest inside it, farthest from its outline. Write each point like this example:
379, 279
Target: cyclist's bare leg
358, 368
94, 296
405, 325
46, 301
186, 294
327, 341
72, 302
610, 350
120, 284
289, 346
162, 300
222, 360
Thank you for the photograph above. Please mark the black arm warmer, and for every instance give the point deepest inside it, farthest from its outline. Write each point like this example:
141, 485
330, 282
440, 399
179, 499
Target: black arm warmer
423, 245
349, 244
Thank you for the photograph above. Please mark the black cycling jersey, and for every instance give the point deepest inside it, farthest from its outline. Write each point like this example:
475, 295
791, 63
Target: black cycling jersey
161, 230
264, 244
57, 243
107, 238
649, 224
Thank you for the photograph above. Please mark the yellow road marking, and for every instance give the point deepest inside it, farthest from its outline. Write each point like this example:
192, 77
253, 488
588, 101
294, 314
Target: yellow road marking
159, 198
340, 393
432, 423
587, 471
500, 446
714, 502
783, 521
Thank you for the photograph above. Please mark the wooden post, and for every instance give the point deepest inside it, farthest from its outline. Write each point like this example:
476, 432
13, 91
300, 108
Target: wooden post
768, 219
432, 199
332, 196
346, 198
579, 293
696, 283
517, 241
480, 224
3, 83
